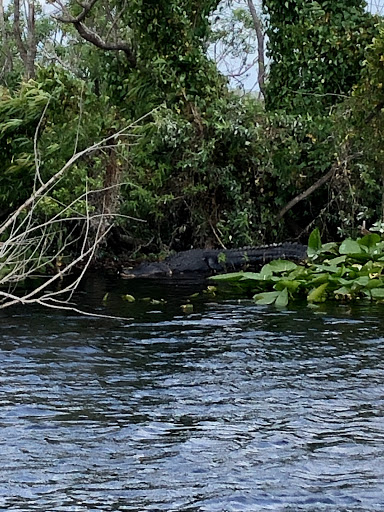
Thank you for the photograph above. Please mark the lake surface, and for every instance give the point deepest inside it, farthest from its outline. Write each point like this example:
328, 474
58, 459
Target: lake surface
232, 407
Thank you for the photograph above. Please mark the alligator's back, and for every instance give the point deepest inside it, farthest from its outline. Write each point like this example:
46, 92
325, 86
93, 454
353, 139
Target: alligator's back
209, 261
237, 259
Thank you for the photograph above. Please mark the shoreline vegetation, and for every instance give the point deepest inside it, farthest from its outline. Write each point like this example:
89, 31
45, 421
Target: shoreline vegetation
348, 271
121, 139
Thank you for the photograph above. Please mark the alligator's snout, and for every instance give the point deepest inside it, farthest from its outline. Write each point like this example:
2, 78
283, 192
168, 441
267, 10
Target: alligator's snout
147, 270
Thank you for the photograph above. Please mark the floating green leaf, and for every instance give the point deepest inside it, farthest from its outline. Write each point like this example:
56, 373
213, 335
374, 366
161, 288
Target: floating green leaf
291, 286
374, 283
266, 271
370, 240
357, 272
336, 261
329, 247
234, 276
377, 293
187, 308
128, 298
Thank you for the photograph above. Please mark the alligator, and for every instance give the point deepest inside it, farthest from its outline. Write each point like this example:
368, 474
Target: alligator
214, 261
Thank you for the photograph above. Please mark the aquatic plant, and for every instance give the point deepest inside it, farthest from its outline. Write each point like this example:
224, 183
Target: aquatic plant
351, 270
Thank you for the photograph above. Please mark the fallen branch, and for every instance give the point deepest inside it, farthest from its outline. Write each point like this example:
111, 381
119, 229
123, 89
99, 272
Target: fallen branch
31, 245
318, 183
305, 194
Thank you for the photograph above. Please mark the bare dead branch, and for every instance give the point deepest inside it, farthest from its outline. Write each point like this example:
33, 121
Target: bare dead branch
91, 36
31, 245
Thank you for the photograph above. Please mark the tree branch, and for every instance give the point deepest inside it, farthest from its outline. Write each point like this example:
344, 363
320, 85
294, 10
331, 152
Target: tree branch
17, 31
91, 36
305, 194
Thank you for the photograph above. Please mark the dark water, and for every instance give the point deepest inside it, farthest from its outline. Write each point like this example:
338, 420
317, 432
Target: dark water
230, 408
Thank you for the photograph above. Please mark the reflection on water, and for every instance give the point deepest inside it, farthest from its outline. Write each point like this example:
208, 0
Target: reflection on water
231, 408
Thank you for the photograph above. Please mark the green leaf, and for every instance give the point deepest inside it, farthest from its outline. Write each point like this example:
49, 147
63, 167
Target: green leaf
292, 286
282, 265
282, 299
377, 293
374, 283
361, 281
234, 276
253, 276
318, 294
370, 240
336, 261
333, 269
128, 298
350, 246
266, 271
322, 278
329, 247
314, 243
266, 297
187, 308
343, 290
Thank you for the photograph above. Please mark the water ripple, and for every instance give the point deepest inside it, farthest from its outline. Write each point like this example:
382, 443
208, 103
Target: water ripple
234, 408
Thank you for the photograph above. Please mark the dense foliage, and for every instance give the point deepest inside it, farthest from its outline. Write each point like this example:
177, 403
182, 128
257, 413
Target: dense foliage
317, 49
208, 166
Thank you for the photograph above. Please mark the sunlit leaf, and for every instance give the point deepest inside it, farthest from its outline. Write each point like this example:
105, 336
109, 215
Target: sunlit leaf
318, 294
282, 299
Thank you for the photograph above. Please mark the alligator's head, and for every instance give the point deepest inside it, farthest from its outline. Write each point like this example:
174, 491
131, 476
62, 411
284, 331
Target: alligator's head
156, 269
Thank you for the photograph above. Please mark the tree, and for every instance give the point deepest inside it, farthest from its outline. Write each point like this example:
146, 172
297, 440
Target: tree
238, 44
27, 45
317, 49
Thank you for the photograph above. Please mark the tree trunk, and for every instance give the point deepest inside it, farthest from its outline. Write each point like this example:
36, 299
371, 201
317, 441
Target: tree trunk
260, 46
28, 49
4, 37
